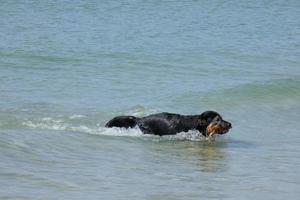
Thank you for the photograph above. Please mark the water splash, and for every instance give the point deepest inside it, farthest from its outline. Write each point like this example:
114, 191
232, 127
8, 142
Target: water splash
60, 125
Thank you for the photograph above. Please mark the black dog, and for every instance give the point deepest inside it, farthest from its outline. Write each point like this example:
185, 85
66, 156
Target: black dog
208, 123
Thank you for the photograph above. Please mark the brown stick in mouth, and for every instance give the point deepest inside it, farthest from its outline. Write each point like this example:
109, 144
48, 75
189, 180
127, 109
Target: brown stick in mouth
213, 128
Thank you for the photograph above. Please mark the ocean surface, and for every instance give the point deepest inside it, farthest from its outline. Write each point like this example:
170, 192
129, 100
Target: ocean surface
67, 67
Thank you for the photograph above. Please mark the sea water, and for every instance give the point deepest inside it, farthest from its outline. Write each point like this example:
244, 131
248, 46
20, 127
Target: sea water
67, 67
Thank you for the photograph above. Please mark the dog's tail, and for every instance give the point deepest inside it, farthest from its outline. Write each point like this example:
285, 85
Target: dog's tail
123, 122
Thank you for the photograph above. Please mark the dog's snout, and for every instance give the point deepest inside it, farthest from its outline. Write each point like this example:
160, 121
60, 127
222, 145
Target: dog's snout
229, 125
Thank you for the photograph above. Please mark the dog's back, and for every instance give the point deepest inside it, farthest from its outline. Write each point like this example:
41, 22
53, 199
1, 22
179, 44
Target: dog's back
157, 124
161, 123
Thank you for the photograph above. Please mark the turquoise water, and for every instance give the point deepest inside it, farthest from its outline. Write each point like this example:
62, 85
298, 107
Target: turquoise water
67, 67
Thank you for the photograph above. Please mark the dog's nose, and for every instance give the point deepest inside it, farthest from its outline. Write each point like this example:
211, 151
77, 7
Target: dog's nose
229, 125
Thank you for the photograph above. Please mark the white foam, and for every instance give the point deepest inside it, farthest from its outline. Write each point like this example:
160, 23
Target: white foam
191, 135
77, 116
49, 119
39, 125
60, 125
120, 131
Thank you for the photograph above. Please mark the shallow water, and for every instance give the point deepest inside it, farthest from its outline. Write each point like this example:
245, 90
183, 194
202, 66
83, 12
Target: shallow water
68, 67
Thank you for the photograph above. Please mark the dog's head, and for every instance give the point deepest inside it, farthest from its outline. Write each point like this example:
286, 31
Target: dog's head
212, 123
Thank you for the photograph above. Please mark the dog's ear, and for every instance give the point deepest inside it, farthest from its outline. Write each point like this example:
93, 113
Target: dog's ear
217, 118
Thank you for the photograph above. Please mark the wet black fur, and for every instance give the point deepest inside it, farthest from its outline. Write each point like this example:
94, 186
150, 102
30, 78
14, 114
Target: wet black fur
168, 123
